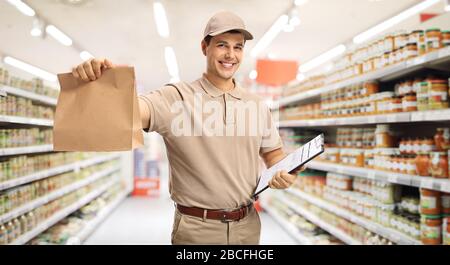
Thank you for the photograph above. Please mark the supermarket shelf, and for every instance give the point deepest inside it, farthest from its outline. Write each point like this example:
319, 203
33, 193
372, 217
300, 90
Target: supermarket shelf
288, 227
90, 227
388, 233
317, 221
389, 73
27, 121
56, 194
61, 215
26, 150
56, 170
392, 177
29, 95
418, 116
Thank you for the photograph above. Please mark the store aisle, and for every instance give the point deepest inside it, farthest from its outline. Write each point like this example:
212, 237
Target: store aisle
149, 221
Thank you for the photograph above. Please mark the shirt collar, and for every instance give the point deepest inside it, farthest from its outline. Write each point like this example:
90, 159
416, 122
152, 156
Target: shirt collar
213, 91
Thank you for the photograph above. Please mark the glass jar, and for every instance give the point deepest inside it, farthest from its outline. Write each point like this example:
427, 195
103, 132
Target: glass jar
411, 167
395, 104
433, 39
439, 165
446, 230
422, 45
446, 38
430, 202
422, 97
409, 102
442, 139
370, 88
384, 136
430, 228
414, 37
437, 94
423, 164
445, 203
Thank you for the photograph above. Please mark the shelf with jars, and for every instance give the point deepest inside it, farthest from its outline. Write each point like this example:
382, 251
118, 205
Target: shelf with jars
20, 170
386, 59
419, 99
15, 202
40, 225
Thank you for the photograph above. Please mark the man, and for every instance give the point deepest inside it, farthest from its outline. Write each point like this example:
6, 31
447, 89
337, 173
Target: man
212, 174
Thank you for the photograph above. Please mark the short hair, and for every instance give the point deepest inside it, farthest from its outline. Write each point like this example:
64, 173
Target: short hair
208, 38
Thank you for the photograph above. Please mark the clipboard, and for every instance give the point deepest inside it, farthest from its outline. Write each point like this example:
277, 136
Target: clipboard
290, 163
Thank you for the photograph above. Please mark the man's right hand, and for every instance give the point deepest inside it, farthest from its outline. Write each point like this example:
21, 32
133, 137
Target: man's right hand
92, 69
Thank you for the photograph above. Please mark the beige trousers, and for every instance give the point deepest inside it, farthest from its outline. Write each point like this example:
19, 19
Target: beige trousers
191, 230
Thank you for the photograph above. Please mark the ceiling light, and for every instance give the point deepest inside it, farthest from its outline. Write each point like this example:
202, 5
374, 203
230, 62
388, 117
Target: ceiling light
360, 38
30, 69
294, 21
85, 55
161, 20
270, 35
253, 75
300, 2
323, 58
22, 7
174, 79
36, 32
171, 62
58, 35
38, 28
288, 27
301, 77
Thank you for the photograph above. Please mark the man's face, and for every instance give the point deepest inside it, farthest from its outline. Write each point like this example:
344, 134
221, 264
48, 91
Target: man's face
224, 54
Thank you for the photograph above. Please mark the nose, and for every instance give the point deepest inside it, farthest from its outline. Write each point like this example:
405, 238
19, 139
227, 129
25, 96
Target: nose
229, 54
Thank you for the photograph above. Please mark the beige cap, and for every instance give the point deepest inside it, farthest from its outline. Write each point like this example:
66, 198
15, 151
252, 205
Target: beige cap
225, 21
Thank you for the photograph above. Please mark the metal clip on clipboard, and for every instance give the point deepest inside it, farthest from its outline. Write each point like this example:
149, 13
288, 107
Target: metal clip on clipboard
290, 163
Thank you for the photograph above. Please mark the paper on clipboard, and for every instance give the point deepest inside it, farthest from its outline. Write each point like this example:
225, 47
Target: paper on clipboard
296, 159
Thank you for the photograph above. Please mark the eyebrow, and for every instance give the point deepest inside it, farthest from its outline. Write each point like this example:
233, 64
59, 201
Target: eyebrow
225, 42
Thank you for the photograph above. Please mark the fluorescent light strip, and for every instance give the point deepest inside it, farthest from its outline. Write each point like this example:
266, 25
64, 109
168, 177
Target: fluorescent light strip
360, 38
30, 69
171, 62
85, 55
161, 20
270, 35
58, 35
323, 58
22, 7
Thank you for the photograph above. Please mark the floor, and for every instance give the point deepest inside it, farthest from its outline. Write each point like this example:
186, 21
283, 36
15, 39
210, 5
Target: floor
146, 221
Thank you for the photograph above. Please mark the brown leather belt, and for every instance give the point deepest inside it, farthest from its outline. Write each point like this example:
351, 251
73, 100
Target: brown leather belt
222, 215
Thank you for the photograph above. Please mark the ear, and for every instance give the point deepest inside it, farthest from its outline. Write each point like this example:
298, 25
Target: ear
204, 45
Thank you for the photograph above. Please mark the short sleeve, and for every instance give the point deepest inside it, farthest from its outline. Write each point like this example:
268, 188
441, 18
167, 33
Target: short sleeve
270, 139
159, 103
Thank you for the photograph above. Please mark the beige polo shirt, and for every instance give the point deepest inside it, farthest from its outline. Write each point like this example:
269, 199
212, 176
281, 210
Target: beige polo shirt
213, 141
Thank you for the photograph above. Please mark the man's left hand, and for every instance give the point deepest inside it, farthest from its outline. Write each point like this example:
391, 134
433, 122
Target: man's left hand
283, 180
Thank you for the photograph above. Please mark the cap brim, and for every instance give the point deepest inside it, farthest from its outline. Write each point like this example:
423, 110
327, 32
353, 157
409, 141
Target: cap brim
247, 35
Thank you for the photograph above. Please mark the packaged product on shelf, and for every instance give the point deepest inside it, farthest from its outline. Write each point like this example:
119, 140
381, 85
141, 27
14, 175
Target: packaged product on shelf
4, 76
439, 165
430, 202
437, 94
25, 137
22, 107
385, 137
431, 229
446, 230
433, 39
445, 203
442, 139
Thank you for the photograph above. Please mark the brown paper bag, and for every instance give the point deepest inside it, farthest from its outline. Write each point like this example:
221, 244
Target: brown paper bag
102, 115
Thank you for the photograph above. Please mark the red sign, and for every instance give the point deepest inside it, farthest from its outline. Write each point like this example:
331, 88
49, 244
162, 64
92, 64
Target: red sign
276, 73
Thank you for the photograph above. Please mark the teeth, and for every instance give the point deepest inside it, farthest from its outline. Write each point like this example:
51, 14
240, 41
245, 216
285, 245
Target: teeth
227, 65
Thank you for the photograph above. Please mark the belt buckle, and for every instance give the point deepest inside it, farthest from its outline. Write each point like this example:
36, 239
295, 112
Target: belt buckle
224, 219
